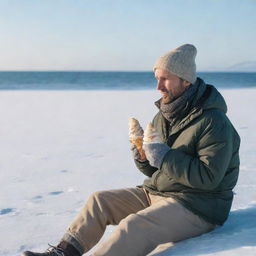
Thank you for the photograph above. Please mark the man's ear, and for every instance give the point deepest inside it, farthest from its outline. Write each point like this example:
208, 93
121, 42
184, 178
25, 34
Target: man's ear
186, 83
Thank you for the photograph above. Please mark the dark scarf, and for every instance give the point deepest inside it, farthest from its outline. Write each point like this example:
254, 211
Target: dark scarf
179, 107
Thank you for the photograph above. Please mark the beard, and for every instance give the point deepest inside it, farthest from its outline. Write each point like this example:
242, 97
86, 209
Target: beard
167, 97
170, 96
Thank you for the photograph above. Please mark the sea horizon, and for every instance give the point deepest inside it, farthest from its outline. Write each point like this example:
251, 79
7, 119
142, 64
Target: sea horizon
128, 71
111, 80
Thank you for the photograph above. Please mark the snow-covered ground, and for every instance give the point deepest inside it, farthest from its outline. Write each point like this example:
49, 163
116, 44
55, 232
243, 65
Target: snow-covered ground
59, 146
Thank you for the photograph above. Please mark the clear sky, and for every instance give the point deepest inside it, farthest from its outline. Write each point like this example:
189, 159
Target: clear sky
123, 34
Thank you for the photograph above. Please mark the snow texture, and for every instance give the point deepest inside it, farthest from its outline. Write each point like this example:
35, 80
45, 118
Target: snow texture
57, 147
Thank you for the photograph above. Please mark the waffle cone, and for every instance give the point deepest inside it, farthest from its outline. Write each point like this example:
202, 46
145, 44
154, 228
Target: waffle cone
138, 142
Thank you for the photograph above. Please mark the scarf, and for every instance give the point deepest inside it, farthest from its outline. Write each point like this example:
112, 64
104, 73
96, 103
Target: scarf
180, 106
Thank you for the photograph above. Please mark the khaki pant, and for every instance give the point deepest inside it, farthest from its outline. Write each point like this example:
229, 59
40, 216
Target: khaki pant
144, 221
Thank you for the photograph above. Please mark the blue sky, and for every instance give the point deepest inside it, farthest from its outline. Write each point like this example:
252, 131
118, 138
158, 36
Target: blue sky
123, 34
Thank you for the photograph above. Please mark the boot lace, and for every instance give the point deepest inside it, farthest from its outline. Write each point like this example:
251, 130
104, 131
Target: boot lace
54, 249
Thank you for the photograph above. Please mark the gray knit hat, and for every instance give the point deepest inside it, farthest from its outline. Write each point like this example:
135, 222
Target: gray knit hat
180, 61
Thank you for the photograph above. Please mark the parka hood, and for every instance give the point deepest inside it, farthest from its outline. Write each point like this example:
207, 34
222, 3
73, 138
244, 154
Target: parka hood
214, 99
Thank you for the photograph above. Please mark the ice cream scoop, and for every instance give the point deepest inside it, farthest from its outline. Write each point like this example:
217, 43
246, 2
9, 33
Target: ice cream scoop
151, 135
135, 130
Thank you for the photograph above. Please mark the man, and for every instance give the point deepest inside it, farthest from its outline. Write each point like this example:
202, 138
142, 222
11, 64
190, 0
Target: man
191, 173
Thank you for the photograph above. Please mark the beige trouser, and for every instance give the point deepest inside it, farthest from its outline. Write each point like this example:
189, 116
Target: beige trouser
144, 221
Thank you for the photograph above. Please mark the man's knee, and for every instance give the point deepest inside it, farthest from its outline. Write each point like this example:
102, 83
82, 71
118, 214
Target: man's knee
98, 197
130, 224
132, 231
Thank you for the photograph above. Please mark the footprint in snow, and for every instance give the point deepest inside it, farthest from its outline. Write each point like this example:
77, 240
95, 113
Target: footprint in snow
36, 198
55, 193
64, 171
6, 211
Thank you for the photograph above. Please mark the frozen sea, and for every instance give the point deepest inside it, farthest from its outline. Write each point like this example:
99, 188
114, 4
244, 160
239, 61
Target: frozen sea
59, 146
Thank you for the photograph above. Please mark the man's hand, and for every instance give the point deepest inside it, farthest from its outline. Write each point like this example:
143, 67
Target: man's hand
138, 155
155, 153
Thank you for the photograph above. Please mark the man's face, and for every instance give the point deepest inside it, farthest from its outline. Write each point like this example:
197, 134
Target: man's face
170, 85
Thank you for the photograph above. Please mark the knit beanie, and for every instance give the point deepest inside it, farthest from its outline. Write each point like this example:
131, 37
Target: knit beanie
180, 61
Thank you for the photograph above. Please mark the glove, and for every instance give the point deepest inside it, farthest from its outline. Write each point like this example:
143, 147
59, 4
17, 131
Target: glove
155, 153
136, 154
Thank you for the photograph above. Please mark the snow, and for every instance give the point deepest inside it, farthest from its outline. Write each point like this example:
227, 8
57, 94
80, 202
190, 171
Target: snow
57, 147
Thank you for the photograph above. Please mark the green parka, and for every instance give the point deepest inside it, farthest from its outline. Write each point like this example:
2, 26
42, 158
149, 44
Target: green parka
202, 166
